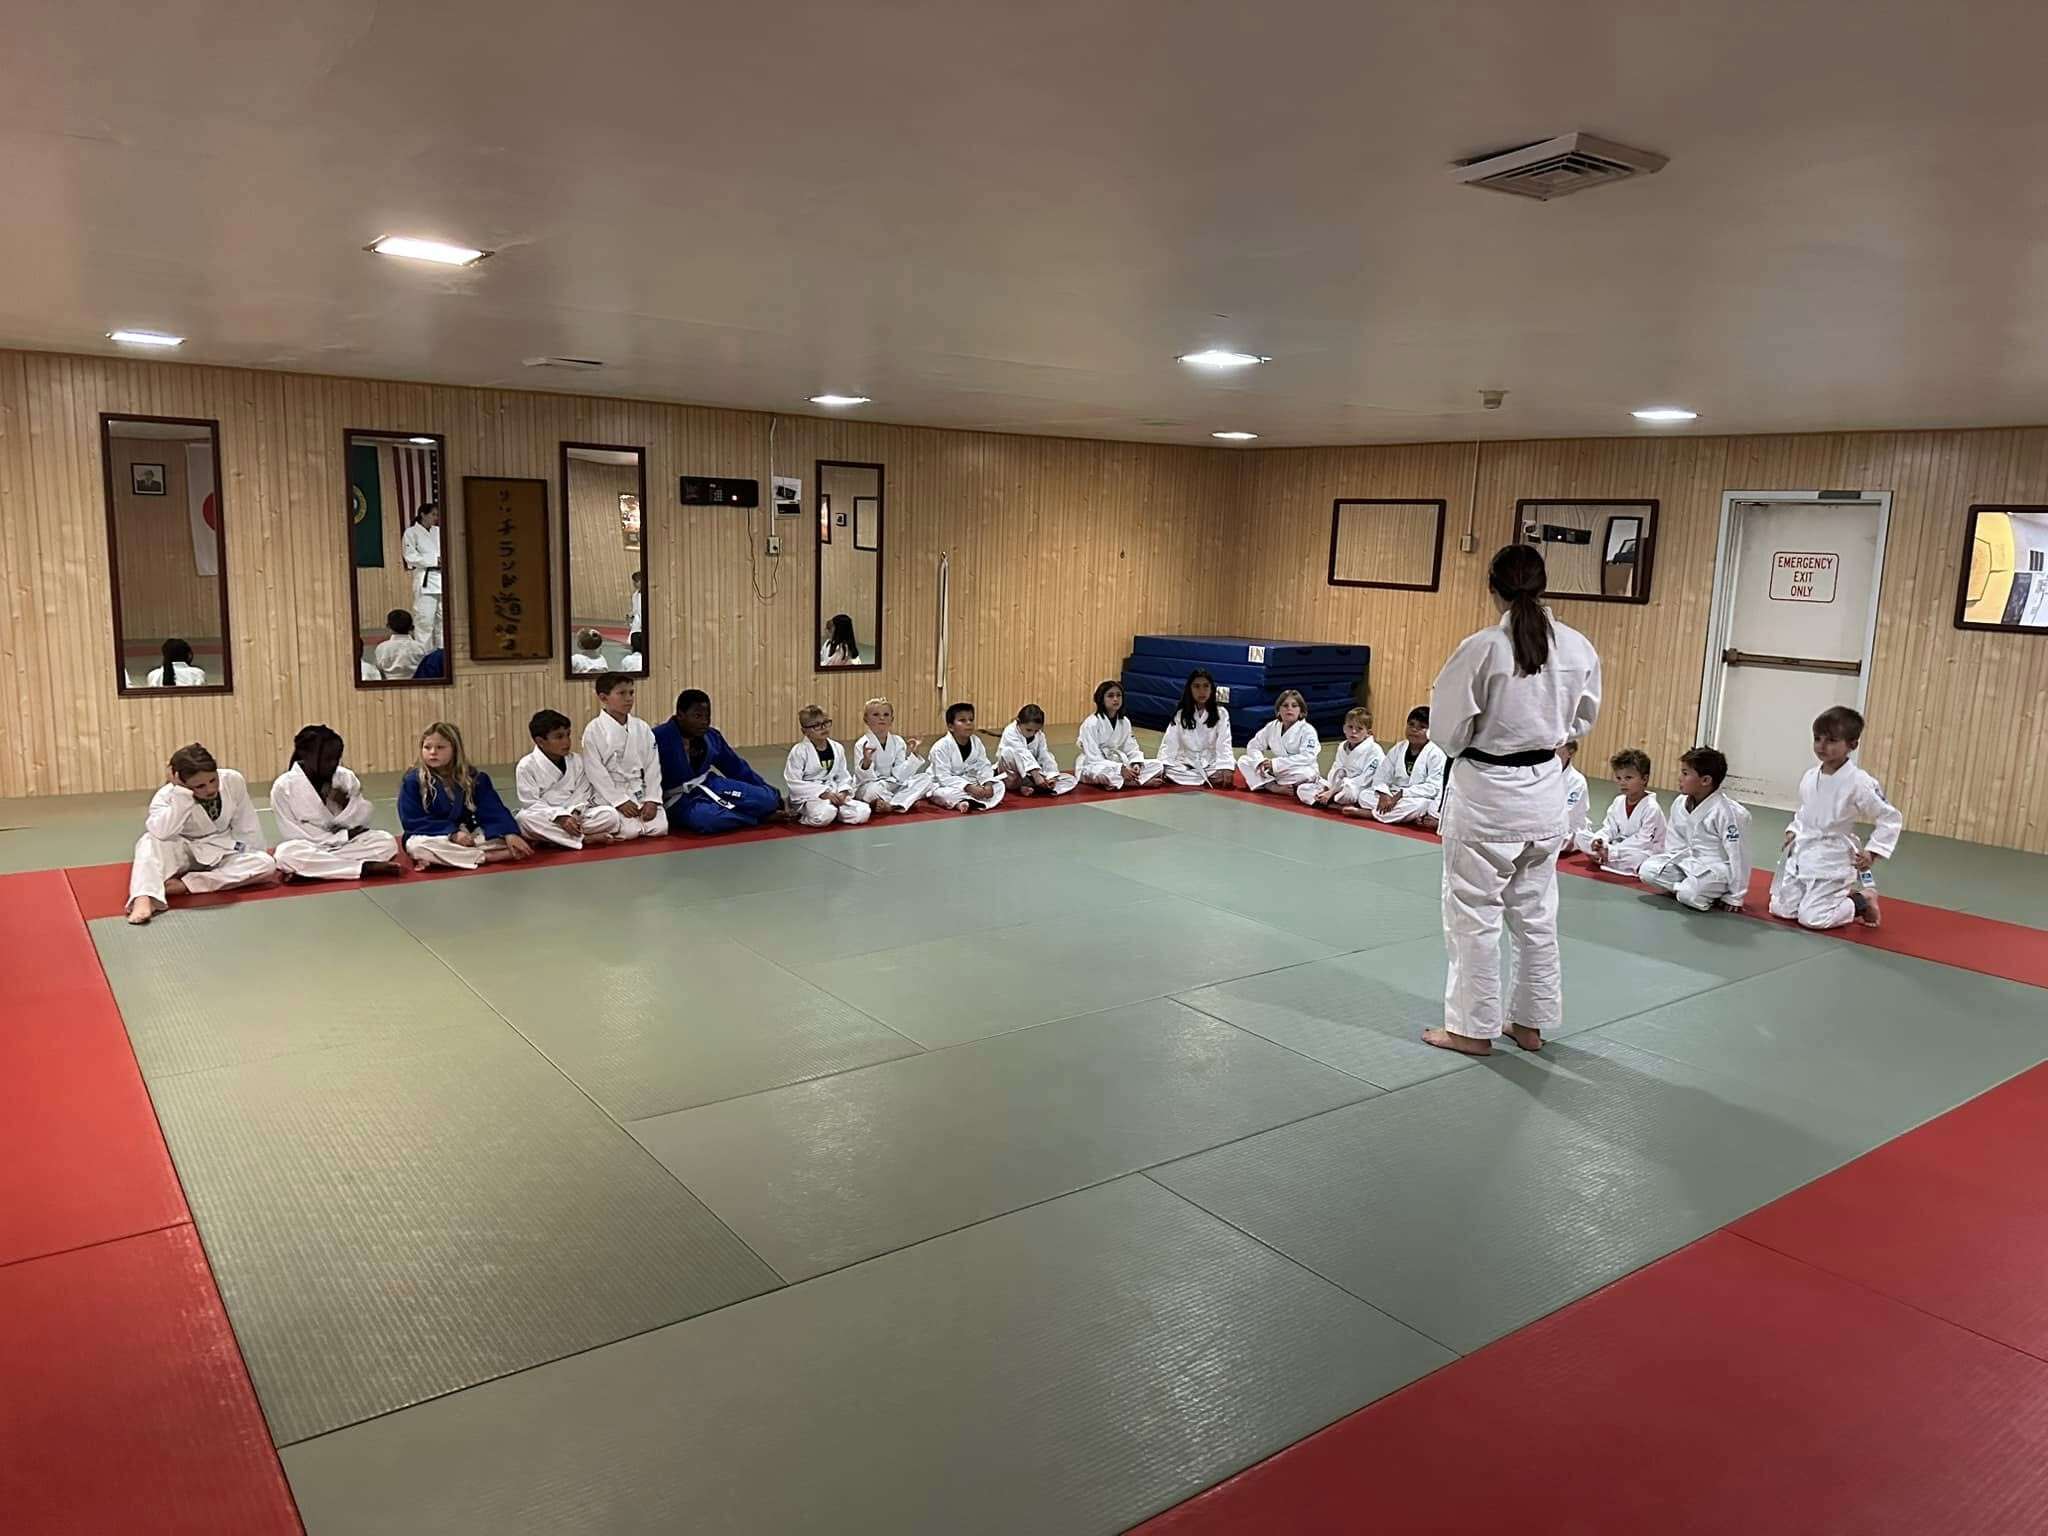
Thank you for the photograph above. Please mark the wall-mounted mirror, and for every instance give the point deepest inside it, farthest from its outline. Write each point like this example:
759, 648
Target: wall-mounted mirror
848, 590
1596, 550
1375, 543
166, 554
397, 553
604, 558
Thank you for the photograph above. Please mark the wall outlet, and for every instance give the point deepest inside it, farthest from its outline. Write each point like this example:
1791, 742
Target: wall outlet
1468, 542
774, 545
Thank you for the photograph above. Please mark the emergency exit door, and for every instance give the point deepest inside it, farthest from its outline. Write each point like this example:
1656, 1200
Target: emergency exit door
1792, 630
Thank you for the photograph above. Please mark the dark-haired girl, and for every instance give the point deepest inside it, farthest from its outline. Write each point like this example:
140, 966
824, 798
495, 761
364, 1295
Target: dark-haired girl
1507, 699
1110, 757
1196, 746
177, 670
323, 821
201, 835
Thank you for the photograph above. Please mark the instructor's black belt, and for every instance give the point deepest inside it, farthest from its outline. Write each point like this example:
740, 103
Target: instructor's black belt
1511, 759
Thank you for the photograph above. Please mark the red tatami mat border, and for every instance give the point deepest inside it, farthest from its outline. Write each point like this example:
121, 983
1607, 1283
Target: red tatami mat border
1723, 1389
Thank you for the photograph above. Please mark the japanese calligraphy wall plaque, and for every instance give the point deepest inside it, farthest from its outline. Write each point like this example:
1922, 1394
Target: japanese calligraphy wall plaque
505, 541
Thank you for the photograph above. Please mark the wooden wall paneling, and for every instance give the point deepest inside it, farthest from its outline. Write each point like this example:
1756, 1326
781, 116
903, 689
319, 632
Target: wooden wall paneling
1062, 549
1958, 731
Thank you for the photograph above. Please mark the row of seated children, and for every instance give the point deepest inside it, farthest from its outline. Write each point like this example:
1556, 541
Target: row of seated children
1701, 854
201, 831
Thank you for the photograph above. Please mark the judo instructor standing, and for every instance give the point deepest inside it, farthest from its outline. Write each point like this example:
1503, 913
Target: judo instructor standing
1503, 704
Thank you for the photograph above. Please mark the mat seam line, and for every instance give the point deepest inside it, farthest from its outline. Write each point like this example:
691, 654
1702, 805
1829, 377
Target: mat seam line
1864, 1285
98, 1242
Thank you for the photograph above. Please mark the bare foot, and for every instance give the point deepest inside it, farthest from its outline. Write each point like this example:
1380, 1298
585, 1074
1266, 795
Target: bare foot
1357, 811
497, 855
378, 869
292, 877
175, 887
1444, 1040
141, 910
1528, 1039
1427, 823
1865, 903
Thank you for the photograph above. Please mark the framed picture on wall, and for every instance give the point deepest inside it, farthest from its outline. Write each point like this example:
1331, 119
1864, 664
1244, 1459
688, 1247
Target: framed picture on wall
2004, 582
867, 522
147, 480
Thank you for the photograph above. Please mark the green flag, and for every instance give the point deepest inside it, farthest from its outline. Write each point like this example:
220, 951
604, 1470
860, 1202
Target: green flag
365, 505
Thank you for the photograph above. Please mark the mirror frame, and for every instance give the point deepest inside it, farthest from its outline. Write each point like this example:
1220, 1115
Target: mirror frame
820, 538
122, 687
1646, 545
1970, 518
1436, 568
646, 581
355, 611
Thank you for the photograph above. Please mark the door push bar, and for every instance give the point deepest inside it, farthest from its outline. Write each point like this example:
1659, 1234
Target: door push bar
1735, 658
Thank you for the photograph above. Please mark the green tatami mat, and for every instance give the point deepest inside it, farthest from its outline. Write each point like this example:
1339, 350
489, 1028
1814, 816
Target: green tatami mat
226, 986
946, 991
1364, 1013
1339, 907
1067, 1369
388, 1226
1331, 841
1879, 1041
980, 1129
946, 845
1479, 1201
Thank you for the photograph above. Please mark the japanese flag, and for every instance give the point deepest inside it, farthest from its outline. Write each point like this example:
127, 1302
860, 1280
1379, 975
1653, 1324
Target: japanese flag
202, 500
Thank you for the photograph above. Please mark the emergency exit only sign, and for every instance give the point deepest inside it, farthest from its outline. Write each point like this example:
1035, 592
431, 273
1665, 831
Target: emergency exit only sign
1803, 576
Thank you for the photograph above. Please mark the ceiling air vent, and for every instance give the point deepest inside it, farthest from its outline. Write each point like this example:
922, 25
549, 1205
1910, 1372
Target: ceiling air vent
1558, 167
564, 362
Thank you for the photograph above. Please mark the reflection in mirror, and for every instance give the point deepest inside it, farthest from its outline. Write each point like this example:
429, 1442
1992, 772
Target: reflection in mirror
848, 591
604, 488
167, 553
1596, 550
1386, 544
397, 559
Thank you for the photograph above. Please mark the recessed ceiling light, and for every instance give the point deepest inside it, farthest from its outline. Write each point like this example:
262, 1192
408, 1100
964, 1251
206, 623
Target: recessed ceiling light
145, 339
424, 442
1236, 437
1215, 358
427, 250
839, 399
1665, 413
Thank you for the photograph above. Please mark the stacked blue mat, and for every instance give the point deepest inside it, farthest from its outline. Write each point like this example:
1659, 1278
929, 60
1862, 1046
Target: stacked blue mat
1250, 674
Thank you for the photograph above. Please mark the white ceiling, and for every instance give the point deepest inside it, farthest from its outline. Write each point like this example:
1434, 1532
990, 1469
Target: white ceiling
1013, 216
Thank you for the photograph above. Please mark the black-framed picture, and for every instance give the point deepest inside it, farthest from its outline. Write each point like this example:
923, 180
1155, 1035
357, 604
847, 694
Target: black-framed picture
1384, 542
2004, 582
147, 480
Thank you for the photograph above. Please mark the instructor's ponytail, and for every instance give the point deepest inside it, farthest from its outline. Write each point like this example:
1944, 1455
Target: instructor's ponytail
1518, 578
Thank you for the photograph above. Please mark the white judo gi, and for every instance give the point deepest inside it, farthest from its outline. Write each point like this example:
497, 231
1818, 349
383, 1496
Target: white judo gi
1706, 857
1350, 778
1295, 749
1577, 817
319, 842
1627, 836
1417, 777
548, 792
421, 552
810, 781
889, 771
623, 763
1015, 754
1192, 753
182, 676
1107, 747
210, 853
953, 770
1503, 825
1814, 876
399, 656
590, 664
